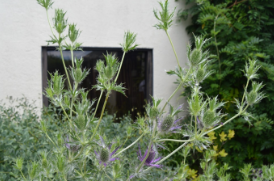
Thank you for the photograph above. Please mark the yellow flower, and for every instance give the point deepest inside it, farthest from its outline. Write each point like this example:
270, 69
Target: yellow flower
222, 136
222, 153
192, 173
231, 134
215, 147
211, 135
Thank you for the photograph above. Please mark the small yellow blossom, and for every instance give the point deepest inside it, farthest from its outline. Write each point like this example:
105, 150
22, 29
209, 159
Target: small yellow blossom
211, 135
222, 153
222, 136
215, 147
231, 134
192, 173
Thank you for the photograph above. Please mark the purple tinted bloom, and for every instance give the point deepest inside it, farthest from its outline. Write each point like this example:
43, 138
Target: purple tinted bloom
167, 124
150, 159
104, 155
71, 147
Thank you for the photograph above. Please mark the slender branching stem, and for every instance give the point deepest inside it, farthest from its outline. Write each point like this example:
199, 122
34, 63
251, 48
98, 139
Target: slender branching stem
121, 63
173, 48
61, 52
50, 139
125, 142
49, 23
195, 121
64, 111
108, 176
102, 113
169, 155
148, 151
72, 101
173, 140
71, 52
97, 105
149, 146
129, 146
179, 86
181, 83
23, 175
245, 90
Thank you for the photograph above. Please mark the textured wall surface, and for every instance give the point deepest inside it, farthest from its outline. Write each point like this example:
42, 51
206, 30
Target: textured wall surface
24, 29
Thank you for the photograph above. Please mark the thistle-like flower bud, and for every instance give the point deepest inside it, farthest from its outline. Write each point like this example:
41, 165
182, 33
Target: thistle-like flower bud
195, 57
251, 97
104, 155
73, 33
60, 163
164, 16
209, 117
81, 122
45, 3
44, 163
43, 126
56, 83
108, 72
129, 41
166, 124
78, 75
200, 75
60, 23
49, 93
59, 140
19, 163
33, 171
154, 112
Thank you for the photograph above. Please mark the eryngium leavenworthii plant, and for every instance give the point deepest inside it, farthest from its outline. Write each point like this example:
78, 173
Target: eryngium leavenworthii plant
96, 160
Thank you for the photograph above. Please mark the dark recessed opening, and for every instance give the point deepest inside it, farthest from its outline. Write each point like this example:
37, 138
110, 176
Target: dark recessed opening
136, 76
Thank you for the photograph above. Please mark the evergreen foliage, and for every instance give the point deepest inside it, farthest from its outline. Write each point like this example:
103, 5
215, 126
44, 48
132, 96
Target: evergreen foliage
239, 30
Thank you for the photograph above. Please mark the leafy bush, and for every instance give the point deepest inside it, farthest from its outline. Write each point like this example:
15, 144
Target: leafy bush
239, 30
20, 136
86, 147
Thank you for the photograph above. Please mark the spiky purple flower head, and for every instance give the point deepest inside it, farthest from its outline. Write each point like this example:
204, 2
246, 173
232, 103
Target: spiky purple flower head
104, 155
150, 159
70, 146
168, 124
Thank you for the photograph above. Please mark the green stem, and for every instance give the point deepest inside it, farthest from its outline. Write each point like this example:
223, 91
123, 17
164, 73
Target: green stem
23, 175
61, 52
120, 67
223, 123
125, 142
148, 151
169, 155
102, 112
72, 59
129, 146
49, 23
108, 176
171, 97
97, 105
172, 140
50, 139
245, 90
173, 48
64, 111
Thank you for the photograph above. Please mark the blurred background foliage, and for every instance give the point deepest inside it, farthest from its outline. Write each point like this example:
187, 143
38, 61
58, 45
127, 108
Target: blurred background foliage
238, 31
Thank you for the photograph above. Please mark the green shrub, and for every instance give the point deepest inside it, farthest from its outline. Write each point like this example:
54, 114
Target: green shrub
240, 30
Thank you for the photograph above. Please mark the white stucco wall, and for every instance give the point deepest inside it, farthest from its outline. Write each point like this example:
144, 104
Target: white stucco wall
24, 29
